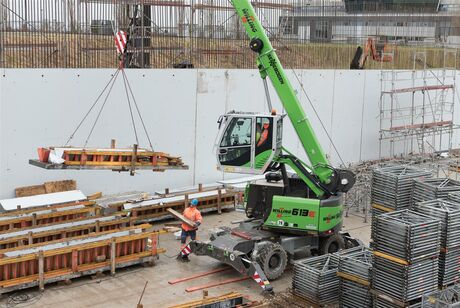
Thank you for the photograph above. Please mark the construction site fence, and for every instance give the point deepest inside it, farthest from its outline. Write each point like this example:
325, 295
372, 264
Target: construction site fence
208, 33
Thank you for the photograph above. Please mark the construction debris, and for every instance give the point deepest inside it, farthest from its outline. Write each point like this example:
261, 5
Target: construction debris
405, 263
46, 188
106, 158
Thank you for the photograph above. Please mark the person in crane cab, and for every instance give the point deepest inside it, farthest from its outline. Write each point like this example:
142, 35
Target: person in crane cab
263, 136
193, 214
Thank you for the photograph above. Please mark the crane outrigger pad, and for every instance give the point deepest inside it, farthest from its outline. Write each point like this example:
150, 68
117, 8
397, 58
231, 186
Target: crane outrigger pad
59, 158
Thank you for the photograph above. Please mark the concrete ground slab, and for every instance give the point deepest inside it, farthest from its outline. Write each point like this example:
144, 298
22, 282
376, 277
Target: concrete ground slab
125, 288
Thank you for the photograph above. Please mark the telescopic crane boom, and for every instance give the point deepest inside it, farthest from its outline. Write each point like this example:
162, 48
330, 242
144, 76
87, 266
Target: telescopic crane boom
288, 215
320, 177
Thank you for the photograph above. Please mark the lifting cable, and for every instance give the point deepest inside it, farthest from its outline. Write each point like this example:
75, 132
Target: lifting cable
304, 92
109, 87
130, 99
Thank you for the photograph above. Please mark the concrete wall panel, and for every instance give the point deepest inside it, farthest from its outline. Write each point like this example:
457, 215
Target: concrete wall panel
180, 107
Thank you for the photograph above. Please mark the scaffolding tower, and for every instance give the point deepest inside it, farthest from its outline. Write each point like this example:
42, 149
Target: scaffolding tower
417, 108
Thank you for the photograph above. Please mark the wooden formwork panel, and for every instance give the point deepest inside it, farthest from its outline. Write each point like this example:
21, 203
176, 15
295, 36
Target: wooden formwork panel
19, 210
46, 188
65, 259
117, 159
72, 229
215, 202
12, 221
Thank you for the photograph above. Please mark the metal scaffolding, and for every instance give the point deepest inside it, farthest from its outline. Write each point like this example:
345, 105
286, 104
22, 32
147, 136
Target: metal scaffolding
417, 108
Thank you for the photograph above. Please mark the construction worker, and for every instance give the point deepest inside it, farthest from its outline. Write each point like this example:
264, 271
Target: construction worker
264, 135
193, 214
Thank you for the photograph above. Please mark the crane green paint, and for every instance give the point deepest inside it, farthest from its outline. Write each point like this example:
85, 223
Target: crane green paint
270, 66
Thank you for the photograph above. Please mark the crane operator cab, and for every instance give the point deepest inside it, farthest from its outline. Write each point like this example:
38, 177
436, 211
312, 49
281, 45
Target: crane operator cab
248, 142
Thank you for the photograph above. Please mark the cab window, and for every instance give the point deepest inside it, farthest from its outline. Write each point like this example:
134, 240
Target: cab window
238, 133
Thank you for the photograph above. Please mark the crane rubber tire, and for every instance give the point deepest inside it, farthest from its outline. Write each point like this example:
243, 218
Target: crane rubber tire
273, 260
332, 244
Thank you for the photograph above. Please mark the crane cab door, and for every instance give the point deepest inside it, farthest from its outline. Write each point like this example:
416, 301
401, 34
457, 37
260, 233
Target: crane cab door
248, 143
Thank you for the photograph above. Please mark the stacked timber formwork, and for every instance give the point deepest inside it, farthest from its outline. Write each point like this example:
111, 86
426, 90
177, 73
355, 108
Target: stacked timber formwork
43, 216
47, 243
146, 209
107, 158
214, 200
42, 234
39, 264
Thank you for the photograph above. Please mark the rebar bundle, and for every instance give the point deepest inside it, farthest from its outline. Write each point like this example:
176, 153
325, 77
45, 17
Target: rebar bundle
405, 263
447, 298
430, 189
316, 279
355, 275
392, 186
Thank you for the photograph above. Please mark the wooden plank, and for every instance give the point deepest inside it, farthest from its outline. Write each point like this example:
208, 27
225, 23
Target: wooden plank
27, 191
60, 186
182, 218
46, 188
354, 278
95, 196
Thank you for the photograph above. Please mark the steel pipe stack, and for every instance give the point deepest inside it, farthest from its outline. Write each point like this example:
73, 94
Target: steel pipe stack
391, 189
316, 279
392, 186
455, 196
431, 189
355, 274
448, 213
405, 263
446, 298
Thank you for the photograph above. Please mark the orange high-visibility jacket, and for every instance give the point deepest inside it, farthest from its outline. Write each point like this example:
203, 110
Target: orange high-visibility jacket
263, 137
193, 214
